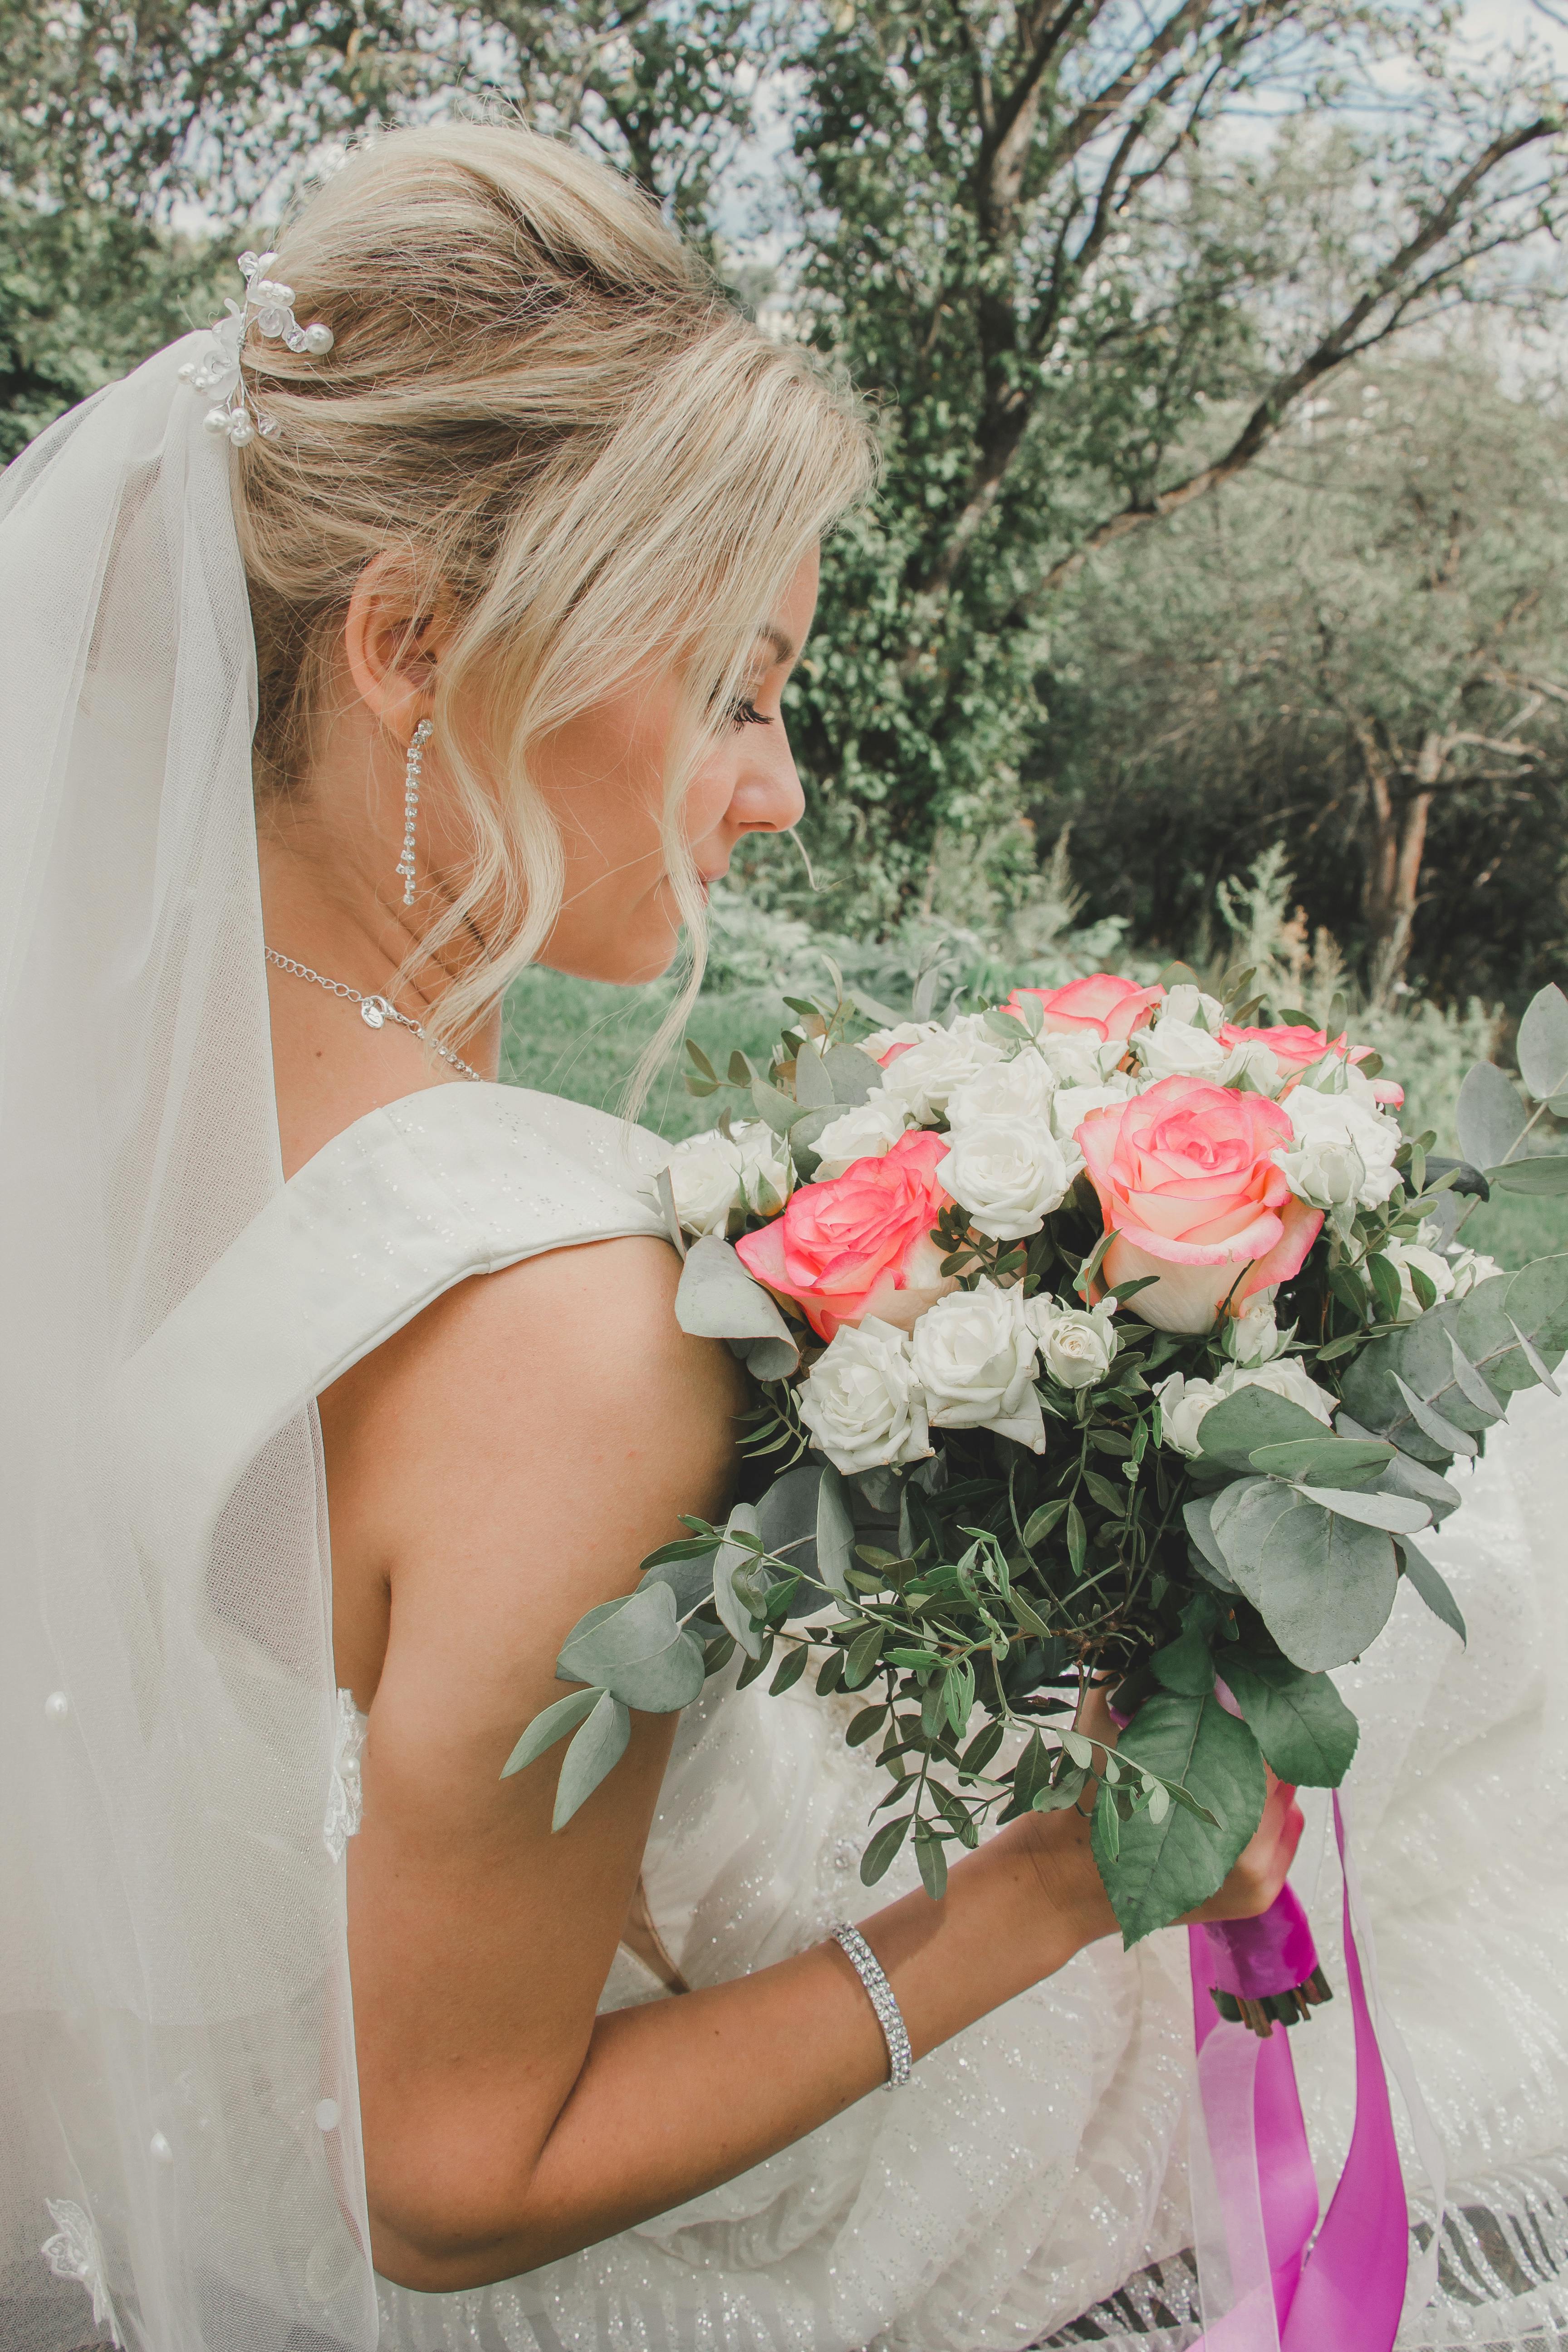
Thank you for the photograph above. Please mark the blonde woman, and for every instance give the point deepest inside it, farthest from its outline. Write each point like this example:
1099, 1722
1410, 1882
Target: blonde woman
436, 623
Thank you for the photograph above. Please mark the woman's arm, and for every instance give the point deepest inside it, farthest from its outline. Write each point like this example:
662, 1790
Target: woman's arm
493, 1472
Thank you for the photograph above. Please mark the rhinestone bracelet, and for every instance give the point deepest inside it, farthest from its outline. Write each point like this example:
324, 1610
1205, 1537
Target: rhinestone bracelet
879, 1993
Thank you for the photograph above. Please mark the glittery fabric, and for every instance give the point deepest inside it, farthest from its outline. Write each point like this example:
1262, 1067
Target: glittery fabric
1031, 2170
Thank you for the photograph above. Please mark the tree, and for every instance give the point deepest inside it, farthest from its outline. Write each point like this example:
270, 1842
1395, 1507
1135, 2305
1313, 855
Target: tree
1086, 305
1355, 651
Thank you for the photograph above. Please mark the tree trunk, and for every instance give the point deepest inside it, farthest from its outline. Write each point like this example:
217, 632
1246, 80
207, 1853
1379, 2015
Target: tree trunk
1393, 882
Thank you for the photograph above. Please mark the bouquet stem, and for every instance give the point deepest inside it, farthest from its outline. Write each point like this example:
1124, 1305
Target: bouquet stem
1264, 1971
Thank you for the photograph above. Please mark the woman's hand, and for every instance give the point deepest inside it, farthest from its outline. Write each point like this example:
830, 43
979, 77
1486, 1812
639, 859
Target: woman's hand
1259, 1871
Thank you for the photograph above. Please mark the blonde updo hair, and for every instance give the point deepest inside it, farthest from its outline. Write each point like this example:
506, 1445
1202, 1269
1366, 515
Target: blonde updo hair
538, 397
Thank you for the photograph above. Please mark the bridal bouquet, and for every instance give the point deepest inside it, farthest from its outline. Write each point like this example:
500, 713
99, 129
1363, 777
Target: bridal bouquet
1109, 1331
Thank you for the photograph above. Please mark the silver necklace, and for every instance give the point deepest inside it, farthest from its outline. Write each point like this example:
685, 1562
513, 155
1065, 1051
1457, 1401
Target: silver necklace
375, 1011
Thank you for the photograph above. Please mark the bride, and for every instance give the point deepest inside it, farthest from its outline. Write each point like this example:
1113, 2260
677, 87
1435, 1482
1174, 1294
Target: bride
438, 627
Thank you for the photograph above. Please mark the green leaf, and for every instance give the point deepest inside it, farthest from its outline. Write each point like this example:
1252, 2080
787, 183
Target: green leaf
1078, 1539
735, 1613
552, 1724
1107, 1497
958, 1697
1433, 1587
754, 1668
1038, 1524
1302, 1725
1253, 1417
1032, 1772
1434, 1426
791, 1668
594, 1754
1338, 1459
932, 1862
878, 1854
1106, 1829
1543, 1172
982, 1748
1397, 1513
1542, 1043
1383, 1277
1165, 1868
853, 1074
1185, 1664
863, 1726
635, 1649
716, 1299
1326, 1585
834, 1532
863, 1652
1489, 1116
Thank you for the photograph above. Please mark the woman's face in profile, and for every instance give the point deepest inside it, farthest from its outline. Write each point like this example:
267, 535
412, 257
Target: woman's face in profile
604, 778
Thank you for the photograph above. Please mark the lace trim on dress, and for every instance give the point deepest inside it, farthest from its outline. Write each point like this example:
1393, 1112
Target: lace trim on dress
345, 1797
74, 2252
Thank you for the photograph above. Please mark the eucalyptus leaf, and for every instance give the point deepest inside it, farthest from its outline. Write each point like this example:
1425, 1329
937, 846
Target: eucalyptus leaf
734, 1615
1398, 1514
1543, 1172
1231, 1430
1433, 1587
1343, 1460
1325, 1586
1489, 1116
812, 1085
594, 1754
852, 1073
716, 1299
1166, 1867
1542, 1043
637, 1651
1243, 1518
552, 1724
1305, 1729
1434, 1426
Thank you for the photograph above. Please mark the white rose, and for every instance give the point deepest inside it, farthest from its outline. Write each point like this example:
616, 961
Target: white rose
864, 1132
1182, 1404
1469, 1267
1254, 1336
907, 1033
1077, 1058
711, 1173
1176, 1049
1077, 1344
1253, 1061
1007, 1173
860, 1402
1408, 1258
973, 1355
1343, 1151
1070, 1106
1287, 1377
1187, 1002
925, 1078
1021, 1088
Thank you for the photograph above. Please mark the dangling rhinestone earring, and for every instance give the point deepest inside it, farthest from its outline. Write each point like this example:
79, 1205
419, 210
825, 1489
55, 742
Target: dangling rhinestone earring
422, 735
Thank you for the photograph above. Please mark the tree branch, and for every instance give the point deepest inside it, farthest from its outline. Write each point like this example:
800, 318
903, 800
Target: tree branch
1329, 352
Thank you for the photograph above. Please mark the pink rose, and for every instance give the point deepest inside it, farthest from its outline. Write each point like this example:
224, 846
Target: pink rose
1187, 1183
1107, 1005
859, 1243
1297, 1048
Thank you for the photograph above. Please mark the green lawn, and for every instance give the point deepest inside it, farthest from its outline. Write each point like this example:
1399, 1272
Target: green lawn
582, 1038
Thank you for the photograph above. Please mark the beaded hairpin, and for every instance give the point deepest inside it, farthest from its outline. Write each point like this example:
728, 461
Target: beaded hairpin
269, 305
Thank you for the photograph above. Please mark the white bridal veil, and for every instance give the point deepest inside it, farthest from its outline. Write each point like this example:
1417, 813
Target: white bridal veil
179, 2158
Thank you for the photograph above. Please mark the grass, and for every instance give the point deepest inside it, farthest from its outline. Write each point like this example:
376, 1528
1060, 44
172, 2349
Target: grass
582, 1038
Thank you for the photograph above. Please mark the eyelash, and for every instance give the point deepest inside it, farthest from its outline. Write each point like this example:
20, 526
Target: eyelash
744, 712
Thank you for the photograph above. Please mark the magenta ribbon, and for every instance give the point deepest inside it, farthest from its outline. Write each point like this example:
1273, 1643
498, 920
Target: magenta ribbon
1292, 2292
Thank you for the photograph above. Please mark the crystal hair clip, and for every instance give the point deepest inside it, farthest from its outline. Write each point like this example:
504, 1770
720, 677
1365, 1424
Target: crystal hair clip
269, 305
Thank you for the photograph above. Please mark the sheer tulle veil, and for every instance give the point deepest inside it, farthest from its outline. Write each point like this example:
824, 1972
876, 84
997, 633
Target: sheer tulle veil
179, 2159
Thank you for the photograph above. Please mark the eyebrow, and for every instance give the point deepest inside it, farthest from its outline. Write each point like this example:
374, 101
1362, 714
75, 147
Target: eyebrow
784, 646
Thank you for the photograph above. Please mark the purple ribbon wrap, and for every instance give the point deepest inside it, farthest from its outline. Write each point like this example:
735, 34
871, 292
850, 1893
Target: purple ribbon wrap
1292, 2292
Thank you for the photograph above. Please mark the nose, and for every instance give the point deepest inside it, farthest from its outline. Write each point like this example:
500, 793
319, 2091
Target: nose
768, 798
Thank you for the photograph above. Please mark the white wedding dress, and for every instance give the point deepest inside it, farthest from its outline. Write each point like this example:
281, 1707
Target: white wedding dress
1035, 2163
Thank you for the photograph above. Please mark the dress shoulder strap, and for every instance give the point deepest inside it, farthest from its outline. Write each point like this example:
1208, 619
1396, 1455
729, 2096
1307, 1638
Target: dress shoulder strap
413, 1198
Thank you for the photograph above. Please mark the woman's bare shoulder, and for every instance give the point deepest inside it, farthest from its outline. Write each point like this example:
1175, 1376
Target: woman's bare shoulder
515, 1452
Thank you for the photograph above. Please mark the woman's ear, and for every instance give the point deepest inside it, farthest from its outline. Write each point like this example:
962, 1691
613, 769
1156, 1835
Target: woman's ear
393, 638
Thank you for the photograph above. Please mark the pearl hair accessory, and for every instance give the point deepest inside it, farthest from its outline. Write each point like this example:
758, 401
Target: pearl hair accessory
421, 736
268, 305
